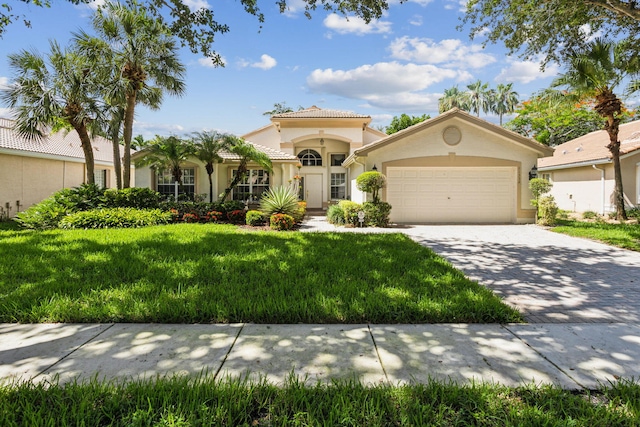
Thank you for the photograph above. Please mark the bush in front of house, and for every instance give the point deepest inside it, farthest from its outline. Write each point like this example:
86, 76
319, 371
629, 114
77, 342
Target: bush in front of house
547, 210
376, 214
44, 215
134, 197
350, 210
371, 182
237, 216
280, 200
281, 222
589, 215
335, 215
255, 218
115, 217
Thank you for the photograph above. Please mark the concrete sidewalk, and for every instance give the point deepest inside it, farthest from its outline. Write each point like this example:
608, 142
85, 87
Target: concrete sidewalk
569, 355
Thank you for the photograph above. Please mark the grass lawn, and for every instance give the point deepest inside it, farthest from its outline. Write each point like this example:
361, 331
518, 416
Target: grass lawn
621, 235
190, 402
188, 273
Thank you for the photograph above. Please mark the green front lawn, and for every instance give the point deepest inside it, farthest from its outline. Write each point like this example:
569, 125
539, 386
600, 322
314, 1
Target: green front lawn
188, 273
621, 235
207, 402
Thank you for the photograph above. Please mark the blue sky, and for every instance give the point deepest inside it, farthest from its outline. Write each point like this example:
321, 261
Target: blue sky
398, 64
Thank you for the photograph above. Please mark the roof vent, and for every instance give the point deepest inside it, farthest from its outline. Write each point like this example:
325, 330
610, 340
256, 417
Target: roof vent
564, 151
578, 149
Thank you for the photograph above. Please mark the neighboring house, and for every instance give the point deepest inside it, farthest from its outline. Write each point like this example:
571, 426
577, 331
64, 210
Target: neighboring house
455, 168
581, 171
31, 171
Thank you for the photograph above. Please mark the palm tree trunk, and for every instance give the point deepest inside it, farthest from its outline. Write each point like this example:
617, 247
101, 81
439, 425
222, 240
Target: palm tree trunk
117, 165
210, 189
127, 134
85, 141
614, 148
242, 170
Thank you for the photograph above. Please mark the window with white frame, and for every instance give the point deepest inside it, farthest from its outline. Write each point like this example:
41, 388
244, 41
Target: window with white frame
310, 158
100, 178
252, 186
338, 159
338, 186
546, 176
166, 186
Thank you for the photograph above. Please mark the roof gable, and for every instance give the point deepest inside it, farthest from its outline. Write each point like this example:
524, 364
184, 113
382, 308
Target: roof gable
592, 148
314, 112
449, 115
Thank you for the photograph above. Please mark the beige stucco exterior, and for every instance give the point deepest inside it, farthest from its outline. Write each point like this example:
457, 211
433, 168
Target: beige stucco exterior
28, 178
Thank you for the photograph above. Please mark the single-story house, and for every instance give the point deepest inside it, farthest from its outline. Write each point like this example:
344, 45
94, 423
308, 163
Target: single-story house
581, 171
31, 171
454, 168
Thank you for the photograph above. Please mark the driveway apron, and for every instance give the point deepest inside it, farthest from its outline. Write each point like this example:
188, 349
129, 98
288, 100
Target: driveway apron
549, 277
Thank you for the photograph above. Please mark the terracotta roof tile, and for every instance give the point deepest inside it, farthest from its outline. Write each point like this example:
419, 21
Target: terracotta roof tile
319, 113
272, 153
65, 144
592, 147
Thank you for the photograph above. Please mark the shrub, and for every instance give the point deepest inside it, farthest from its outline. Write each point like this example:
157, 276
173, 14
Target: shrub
299, 214
281, 222
135, 197
44, 215
547, 210
350, 210
213, 216
237, 216
335, 215
254, 218
232, 205
191, 217
376, 214
115, 217
589, 215
282, 200
634, 213
371, 182
538, 187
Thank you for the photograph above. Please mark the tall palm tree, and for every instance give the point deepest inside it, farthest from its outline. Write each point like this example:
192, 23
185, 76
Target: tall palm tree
478, 97
167, 153
207, 148
504, 100
452, 98
145, 54
58, 91
594, 72
247, 153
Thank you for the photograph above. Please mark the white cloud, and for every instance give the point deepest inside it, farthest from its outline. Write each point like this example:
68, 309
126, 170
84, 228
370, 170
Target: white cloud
587, 33
416, 20
150, 130
4, 82
526, 72
383, 78
460, 5
294, 8
450, 51
194, 5
207, 62
266, 62
418, 2
6, 113
355, 25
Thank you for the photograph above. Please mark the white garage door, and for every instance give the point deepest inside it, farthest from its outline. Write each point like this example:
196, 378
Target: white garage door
452, 195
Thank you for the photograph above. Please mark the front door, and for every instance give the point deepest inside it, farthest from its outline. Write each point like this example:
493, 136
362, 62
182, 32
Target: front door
313, 191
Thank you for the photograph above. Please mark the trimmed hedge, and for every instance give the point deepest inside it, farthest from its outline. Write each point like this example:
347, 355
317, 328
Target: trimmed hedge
115, 217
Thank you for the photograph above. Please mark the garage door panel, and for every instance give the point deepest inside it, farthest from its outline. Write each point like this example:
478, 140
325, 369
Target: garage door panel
449, 195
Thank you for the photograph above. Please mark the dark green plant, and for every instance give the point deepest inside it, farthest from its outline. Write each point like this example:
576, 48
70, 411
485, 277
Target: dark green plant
115, 218
255, 218
335, 215
237, 217
589, 215
376, 214
44, 215
281, 199
135, 197
350, 210
371, 182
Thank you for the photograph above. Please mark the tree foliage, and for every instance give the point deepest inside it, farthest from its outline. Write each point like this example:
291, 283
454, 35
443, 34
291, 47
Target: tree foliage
247, 153
479, 97
404, 121
371, 182
196, 27
551, 28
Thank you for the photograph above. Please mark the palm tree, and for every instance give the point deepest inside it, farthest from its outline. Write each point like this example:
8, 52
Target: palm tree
452, 98
144, 53
207, 146
504, 100
167, 153
478, 97
594, 72
247, 153
56, 92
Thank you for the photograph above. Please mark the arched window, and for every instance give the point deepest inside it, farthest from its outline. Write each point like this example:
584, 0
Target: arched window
310, 158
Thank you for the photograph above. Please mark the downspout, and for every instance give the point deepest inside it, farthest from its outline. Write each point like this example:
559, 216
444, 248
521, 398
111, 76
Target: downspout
355, 160
603, 187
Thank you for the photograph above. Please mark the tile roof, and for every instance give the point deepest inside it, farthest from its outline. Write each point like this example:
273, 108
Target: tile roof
64, 144
592, 147
319, 113
272, 153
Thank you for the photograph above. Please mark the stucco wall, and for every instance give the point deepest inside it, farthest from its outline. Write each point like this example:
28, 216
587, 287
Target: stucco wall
30, 180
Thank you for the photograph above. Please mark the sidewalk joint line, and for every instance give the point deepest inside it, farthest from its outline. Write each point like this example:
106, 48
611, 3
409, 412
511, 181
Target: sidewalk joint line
233, 344
545, 357
73, 351
375, 346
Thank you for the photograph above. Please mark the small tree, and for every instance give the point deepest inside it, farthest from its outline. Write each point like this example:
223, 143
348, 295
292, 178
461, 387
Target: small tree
538, 187
371, 182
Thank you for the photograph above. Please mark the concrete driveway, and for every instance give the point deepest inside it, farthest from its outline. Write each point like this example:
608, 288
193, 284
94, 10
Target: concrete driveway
549, 277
